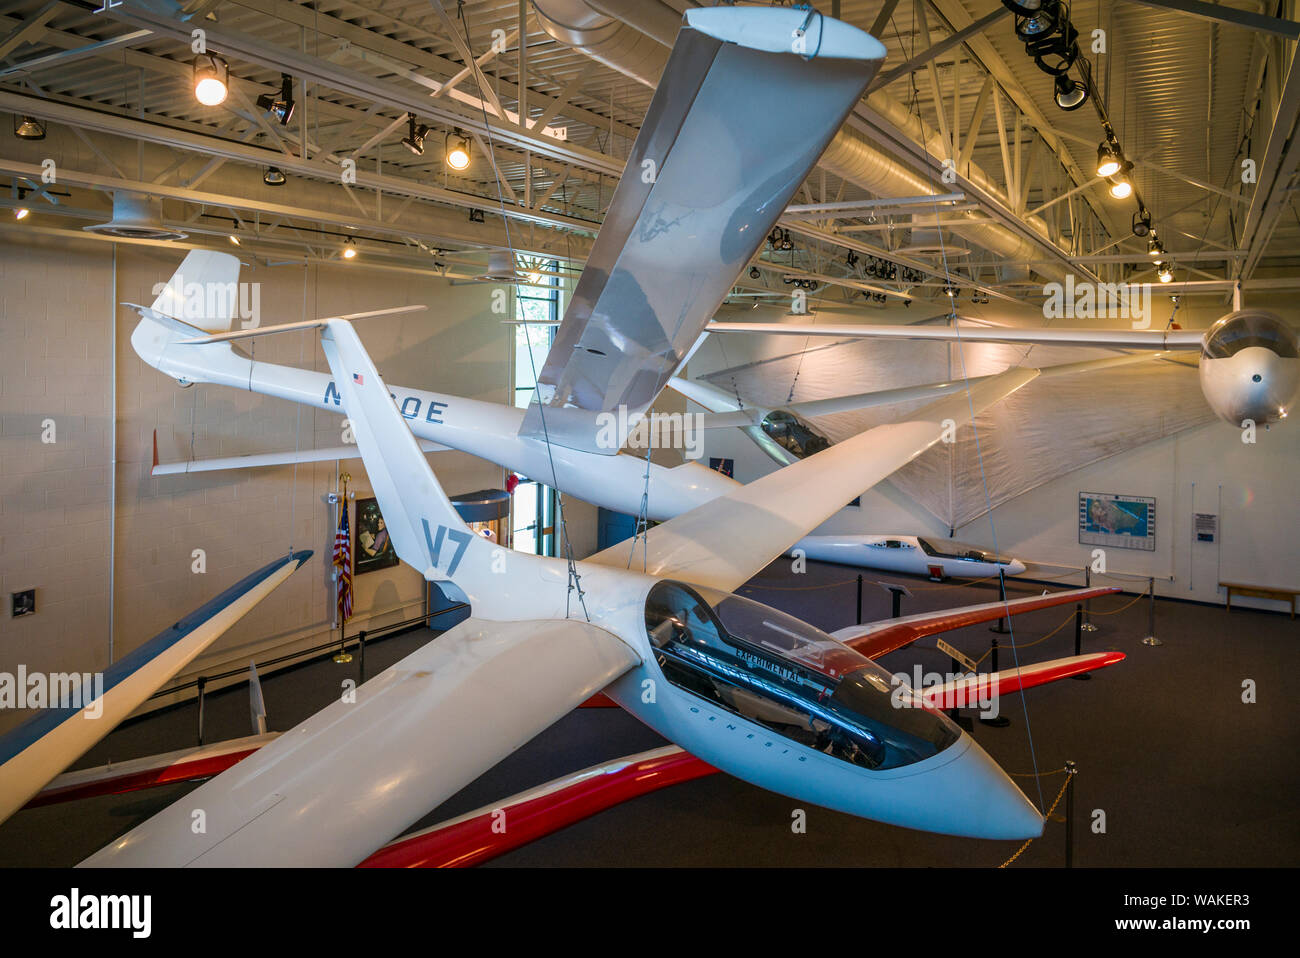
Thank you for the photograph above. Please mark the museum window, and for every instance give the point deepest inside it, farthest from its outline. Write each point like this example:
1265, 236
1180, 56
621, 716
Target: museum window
533, 505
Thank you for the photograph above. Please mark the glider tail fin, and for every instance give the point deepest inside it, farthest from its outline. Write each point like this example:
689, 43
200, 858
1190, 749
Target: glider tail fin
425, 528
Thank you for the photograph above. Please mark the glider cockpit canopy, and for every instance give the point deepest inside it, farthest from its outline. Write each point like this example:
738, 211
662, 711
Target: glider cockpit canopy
787, 676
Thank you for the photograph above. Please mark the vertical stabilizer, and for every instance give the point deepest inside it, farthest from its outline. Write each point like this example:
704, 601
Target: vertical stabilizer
204, 291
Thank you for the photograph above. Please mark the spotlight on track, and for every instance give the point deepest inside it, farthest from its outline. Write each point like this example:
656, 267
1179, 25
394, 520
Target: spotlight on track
279, 106
414, 139
476, 216
28, 128
1109, 159
1155, 247
1165, 273
457, 154
274, 176
211, 79
21, 213
1121, 187
1035, 19
1142, 222
234, 240
754, 273
349, 249
1070, 94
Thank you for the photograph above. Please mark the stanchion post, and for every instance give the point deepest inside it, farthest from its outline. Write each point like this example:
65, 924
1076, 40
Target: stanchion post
361, 638
1001, 627
998, 721
201, 683
859, 598
1151, 616
1087, 625
1071, 770
1078, 638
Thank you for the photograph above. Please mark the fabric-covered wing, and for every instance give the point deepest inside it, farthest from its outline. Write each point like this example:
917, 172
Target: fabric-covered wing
709, 174
1162, 339
36, 751
724, 542
341, 784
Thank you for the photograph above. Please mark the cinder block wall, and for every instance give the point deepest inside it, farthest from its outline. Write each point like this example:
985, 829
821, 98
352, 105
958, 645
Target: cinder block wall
95, 557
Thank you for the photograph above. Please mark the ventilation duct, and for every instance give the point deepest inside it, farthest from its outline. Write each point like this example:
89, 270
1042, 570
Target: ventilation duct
606, 39
136, 216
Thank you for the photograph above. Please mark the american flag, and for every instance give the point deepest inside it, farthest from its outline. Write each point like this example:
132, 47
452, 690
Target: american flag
343, 564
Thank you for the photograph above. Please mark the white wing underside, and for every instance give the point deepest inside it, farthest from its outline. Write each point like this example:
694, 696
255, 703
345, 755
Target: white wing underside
725, 542
341, 784
1160, 339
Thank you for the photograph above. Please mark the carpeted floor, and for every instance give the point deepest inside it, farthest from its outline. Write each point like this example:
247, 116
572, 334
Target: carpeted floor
1183, 771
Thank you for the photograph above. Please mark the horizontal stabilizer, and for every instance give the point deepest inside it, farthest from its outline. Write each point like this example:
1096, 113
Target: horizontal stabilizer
256, 460
294, 327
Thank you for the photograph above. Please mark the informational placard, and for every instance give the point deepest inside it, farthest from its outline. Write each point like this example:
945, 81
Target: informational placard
1205, 526
1117, 521
957, 655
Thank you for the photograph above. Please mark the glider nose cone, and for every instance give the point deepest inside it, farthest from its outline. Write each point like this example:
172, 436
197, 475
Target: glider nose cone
991, 805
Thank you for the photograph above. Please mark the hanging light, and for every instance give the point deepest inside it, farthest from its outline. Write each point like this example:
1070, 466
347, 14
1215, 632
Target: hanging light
21, 213
234, 240
754, 273
1109, 159
349, 249
211, 79
28, 128
1154, 246
1164, 272
1070, 94
414, 139
274, 176
457, 154
1121, 188
280, 107
1043, 19
1142, 222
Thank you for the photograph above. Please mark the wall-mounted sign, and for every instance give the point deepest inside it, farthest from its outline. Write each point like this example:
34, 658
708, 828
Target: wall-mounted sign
1120, 522
1206, 526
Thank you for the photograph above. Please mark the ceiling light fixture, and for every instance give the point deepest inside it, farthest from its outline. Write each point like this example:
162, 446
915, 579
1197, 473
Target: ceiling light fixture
349, 249
1142, 222
28, 128
457, 153
1165, 273
414, 139
234, 240
1070, 94
1155, 247
1109, 159
754, 273
211, 79
21, 213
281, 106
274, 176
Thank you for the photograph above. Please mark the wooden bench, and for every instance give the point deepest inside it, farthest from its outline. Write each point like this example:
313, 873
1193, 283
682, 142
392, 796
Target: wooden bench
1260, 592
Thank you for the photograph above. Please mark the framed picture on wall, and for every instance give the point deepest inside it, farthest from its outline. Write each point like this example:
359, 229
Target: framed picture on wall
1123, 522
372, 548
